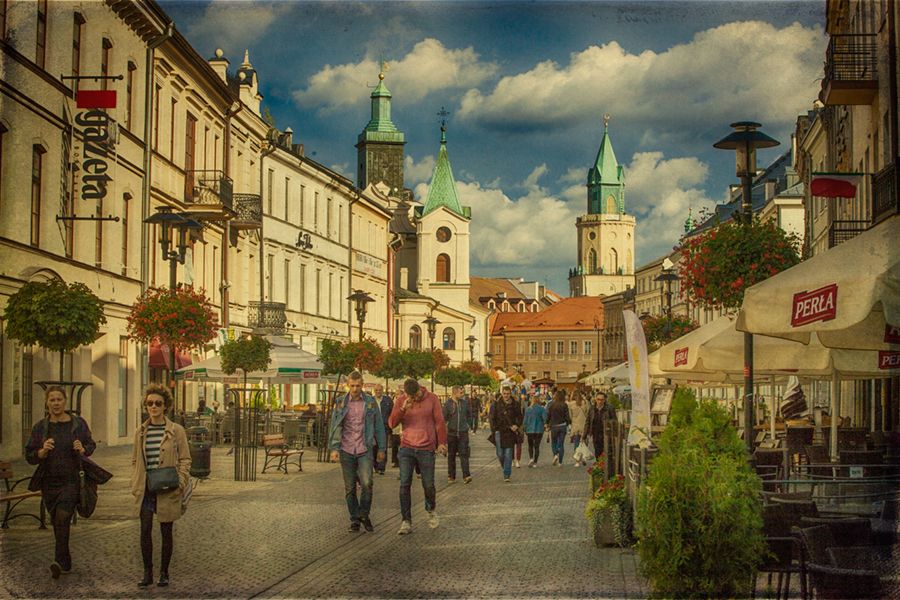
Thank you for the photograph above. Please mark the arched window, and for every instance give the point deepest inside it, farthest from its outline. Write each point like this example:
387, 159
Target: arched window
443, 268
610, 205
449, 339
613, 261
415, 337
592, 261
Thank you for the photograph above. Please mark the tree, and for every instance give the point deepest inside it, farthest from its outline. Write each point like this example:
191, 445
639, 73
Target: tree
340, 358
55, 316
453, 376
662, 329
246, 355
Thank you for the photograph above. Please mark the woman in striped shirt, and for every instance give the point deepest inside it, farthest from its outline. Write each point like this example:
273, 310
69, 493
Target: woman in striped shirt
158, 443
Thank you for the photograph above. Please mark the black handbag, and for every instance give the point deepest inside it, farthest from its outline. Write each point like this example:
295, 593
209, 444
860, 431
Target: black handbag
87, 495
163, 479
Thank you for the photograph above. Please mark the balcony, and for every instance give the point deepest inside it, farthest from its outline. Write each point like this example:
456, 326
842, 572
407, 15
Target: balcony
268, 316
209, 195
885, 185
851, 76
841, 231
248, 211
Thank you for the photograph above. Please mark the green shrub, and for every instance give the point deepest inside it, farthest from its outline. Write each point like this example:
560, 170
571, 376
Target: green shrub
698, 517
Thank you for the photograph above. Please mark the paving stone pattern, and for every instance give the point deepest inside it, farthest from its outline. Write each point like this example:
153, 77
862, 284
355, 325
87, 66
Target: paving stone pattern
285, 536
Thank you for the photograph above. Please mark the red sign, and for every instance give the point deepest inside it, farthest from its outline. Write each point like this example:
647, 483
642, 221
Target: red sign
891, 334
888, 360
96, 99
817, 305
310, 374
681, 357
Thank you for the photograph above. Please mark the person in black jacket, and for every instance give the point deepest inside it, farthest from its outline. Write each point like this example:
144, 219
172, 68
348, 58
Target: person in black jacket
506, 421
601, 411
57, 443
558, 420
457, 417
386, 405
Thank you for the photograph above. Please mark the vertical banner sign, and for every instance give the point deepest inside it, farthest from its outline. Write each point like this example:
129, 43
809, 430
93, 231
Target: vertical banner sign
639, 371
93, 149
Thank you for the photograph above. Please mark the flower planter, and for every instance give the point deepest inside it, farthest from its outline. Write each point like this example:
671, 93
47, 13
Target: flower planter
596, 482
602, 528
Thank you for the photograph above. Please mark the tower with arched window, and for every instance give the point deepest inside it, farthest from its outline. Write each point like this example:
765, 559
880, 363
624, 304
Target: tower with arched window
605, 261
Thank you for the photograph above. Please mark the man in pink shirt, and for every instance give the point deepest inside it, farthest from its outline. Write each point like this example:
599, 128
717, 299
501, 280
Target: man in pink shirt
419, 411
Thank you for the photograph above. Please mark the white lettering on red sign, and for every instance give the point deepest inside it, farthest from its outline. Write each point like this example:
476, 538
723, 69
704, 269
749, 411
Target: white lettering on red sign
817, 305
891, 334
888, 360
681, 357
310, 374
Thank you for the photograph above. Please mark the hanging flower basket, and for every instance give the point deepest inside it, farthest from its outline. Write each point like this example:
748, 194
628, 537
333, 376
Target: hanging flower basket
662, 329
184, 321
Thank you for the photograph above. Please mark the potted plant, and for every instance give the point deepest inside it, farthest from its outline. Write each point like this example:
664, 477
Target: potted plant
183, 319
246, 355
606, 508
597, 472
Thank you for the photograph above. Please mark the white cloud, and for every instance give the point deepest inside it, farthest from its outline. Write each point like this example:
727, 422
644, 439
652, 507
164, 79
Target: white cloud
233, 28
427, 68
415, 173
532, 179
739, 71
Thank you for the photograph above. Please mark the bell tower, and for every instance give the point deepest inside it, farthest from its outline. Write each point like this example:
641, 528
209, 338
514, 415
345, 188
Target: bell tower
380, 145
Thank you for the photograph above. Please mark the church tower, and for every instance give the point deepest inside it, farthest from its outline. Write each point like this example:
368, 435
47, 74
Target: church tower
380, 145
443, 238
605, 233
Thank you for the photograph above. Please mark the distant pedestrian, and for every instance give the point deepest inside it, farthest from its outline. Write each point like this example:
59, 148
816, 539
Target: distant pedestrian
474, 410
507, 423
535, 424
457, 418
158, 444
56, 445
419, 411
357, 427
520, 435
578, 411
495, 435
601, 412
386, 406
558, 421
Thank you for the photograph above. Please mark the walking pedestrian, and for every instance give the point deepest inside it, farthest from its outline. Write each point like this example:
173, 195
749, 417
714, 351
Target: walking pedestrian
457, 417
578, 411
600, 412
158, 444
495, 435
357, 427
474, 410
558, 421
56, 445
386, 406
535, 423
419, 411
507, 422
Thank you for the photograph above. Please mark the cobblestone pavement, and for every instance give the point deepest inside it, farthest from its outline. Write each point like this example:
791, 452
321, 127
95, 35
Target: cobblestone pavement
285, 536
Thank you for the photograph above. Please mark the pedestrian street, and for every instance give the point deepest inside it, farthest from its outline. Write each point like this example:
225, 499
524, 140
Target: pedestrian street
285, 536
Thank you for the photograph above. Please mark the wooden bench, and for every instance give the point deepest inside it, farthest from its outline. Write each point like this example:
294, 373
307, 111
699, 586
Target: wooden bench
13, 497
276, 449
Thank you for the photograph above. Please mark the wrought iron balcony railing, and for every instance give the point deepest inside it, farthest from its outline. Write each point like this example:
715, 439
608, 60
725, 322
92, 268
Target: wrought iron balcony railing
212, 188
841, 231
249, 210
885, 186
267, 315
851, 75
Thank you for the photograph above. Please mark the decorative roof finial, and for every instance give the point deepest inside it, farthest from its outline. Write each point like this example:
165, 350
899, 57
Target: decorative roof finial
246, 64
443, 115
384, 68
605, 122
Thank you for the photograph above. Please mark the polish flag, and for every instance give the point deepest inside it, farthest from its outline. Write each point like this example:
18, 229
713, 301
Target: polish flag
835, 185
96, 99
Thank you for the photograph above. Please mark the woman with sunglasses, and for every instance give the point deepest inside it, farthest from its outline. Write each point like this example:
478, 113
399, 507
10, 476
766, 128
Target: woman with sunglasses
158, 443
57, 443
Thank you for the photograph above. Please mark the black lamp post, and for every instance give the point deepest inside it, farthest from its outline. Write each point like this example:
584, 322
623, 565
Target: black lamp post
487, 359
668, 276
169, 221
471, 339
744, 140
431, 323
361, 299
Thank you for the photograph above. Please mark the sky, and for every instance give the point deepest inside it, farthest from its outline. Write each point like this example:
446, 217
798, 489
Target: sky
527, 85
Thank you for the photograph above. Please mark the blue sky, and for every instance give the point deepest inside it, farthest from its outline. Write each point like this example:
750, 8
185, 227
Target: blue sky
527, 85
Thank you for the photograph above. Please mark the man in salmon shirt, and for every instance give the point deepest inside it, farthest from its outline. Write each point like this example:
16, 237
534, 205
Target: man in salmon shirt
419, 411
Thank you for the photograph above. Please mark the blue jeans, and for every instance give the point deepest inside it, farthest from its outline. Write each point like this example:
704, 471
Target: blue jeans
576, 439
458, 445
497, 447
409, 458
506, 458
558, 441
355, 466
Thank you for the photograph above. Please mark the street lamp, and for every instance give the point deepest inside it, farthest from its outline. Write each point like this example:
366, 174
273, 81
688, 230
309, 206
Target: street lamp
169, 221
668, 276
597, 329
744, 140
471, 339
431, 323
487, 359
361, 299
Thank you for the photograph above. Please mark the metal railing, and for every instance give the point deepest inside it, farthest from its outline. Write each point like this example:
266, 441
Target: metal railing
208, 187
885, 184
267, 315
851, 58
248, 207
841, 231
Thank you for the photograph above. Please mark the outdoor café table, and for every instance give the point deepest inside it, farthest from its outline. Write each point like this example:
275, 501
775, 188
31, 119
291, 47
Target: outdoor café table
884, 560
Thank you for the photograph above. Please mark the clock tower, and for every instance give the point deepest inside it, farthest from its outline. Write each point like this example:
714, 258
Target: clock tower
380, 145
605, 233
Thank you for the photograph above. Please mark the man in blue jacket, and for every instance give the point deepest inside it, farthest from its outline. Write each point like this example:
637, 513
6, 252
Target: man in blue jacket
386, 405
356, 427
457, 417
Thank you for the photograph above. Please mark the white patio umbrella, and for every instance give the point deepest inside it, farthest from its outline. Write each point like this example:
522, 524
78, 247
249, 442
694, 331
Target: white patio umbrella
849, 296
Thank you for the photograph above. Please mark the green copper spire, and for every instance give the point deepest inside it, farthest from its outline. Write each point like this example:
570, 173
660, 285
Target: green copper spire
442, 191
605, 169
690, 223
606, 180
380, 127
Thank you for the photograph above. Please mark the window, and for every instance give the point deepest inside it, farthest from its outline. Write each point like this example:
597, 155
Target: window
78, 21
287, 198
98, 235
449, 337
546, 347
573, 347
443, 269
316, 212
328, 219
532, 347
613, 261
520, 347
592, 261
123, 386
41, 50
302, 202
560, 348
318, 291
270, 279
216, 152
190, 147
3, 19
37, 158
105, 48
287, 284
2, 131
269, 201
302, 287
156, 117
129, 94
172, 131
587, 347
331, 294
415, 337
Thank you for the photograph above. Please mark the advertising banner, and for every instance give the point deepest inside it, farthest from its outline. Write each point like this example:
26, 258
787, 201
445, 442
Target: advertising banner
639, 371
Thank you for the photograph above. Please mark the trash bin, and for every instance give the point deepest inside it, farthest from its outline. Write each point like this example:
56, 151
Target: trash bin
200, 459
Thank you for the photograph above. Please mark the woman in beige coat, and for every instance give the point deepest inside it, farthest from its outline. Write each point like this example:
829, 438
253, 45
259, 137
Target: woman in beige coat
158, 443
578, 408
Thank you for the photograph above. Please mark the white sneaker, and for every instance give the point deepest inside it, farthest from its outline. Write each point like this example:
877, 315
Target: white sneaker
517, 464
531, 463
534, 466
432, 519
555, 460
405, 527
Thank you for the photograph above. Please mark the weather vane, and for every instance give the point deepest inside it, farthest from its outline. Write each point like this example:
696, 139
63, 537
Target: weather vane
384, 68
606, 119
443, 115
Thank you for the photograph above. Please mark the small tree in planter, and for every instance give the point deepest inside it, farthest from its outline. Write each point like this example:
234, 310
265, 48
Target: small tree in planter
341, 358
698, 517
246, 355
453, 376
55, 316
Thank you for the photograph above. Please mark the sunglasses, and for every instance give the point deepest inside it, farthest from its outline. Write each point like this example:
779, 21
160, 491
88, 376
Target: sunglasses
156, 403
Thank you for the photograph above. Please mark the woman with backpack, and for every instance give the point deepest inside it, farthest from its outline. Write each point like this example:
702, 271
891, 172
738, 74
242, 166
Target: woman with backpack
558, 420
